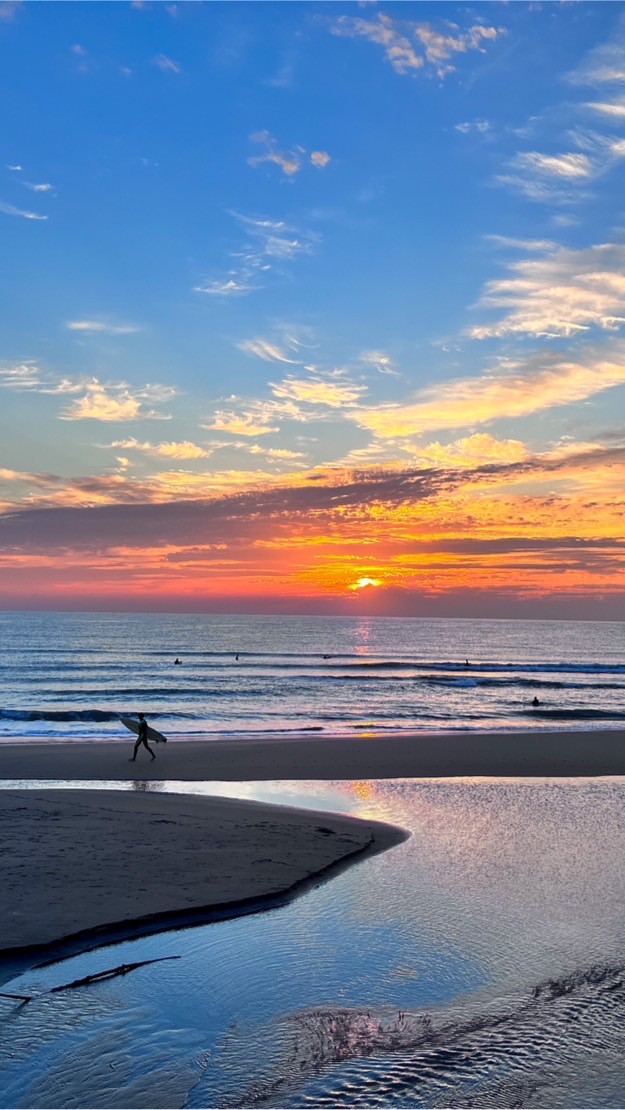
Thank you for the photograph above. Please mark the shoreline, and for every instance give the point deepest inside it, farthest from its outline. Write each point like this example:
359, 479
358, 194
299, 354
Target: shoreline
89, 868
558, 753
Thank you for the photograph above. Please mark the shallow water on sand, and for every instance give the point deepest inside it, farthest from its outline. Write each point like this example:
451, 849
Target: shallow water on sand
481, 962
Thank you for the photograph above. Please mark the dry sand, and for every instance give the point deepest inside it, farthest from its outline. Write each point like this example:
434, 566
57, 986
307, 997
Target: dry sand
82, 860
364, 756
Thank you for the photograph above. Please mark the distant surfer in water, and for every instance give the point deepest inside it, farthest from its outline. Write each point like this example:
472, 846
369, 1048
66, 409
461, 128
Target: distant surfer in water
535, 702
466, 663
142, 738
177, 662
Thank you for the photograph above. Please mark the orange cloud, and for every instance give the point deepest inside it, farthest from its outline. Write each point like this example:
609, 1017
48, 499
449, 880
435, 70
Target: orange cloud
515, 389
486, 518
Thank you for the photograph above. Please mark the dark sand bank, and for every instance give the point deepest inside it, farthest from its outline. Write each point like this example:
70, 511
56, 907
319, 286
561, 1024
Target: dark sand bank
81, 862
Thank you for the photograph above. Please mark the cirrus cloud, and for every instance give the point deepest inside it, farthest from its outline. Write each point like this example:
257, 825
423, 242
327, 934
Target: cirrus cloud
94, 327
562, 293
26, 214
513, 390
323, 389
169, 450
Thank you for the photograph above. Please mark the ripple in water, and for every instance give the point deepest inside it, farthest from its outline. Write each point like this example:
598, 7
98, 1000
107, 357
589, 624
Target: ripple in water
527, 1052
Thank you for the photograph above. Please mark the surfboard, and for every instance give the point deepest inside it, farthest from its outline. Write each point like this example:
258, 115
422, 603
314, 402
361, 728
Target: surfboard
153, 735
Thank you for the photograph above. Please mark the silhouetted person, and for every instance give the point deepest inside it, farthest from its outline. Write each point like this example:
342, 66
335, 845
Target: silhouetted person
142, 738
177, 662
466, 663
236, 658
535, 701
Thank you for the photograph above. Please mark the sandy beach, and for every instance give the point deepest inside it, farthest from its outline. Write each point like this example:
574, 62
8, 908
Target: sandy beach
364, 756
82, 861
74, 862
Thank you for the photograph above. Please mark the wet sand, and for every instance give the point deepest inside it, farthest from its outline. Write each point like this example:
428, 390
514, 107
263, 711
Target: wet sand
364, 756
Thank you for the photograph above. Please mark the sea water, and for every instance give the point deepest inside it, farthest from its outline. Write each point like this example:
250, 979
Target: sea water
72, 675
479, 963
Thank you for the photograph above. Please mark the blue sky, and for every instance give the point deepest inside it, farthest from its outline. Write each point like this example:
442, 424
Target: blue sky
253, 246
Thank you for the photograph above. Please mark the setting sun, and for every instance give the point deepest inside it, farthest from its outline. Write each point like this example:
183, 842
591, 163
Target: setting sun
362, 583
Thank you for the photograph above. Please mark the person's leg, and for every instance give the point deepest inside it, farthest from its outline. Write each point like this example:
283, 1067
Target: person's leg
146, 745
136, 749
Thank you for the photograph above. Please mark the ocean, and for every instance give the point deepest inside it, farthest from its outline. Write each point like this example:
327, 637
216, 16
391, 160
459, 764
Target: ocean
73, 675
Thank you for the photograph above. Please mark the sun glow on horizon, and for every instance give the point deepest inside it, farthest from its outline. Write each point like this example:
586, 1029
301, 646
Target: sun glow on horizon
365, 583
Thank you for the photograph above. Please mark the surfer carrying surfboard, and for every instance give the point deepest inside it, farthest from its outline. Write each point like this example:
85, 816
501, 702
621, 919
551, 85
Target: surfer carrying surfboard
142, 738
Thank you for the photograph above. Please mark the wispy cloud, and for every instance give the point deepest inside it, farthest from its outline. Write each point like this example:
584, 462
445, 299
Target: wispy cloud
21, 378
167, 65
329, 389
440, 46
410, 47
169, 450
614, 110
276, 454
560, 174
552, 178
93, 399
11, 210
225, 287
476, 127
43, 188
289, 161
28, 377
562, 293
554, 165
604, 65
539, 245
378, 359
247, 417
269, 245
263, 348
243, 423
511, 390
118, 402
101, 327
562, 177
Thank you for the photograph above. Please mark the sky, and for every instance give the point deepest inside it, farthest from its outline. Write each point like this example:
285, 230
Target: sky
313, 308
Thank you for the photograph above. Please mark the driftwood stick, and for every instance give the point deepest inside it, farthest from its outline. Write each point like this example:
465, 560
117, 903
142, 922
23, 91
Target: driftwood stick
110, 973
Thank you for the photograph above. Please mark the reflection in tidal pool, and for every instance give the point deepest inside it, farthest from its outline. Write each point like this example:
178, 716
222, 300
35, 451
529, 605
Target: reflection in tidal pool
481, 962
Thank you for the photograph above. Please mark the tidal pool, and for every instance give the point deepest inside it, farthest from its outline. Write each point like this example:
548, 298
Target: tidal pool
480, 963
